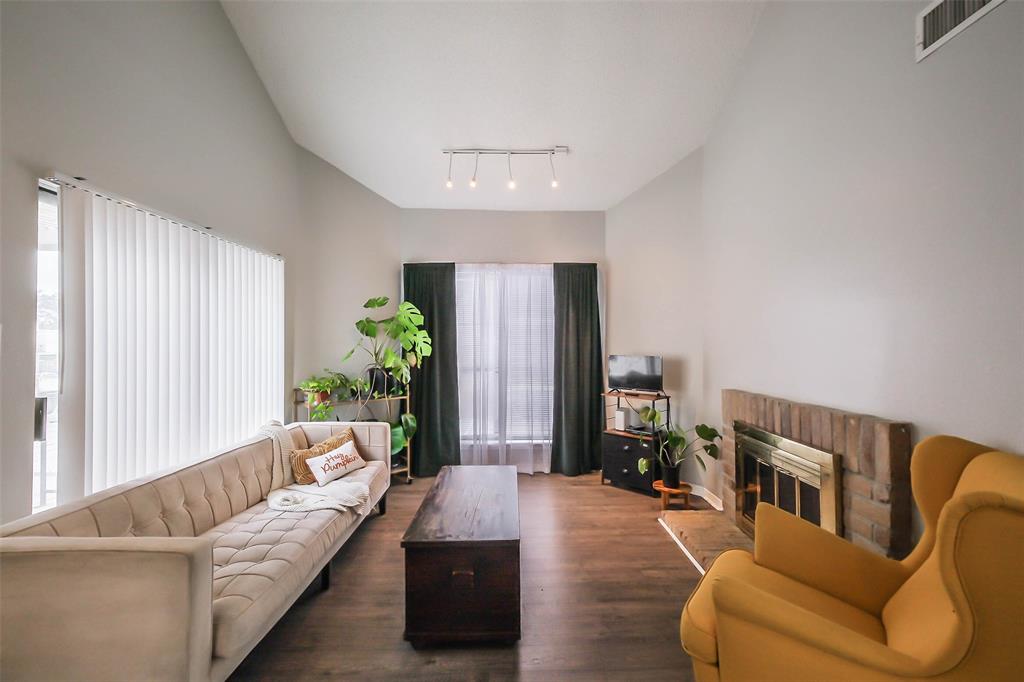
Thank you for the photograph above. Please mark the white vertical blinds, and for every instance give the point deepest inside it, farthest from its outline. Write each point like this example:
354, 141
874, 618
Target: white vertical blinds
505, 334
183, 339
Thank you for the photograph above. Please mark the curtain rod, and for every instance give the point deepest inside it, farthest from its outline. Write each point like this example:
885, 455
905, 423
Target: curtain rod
86, 186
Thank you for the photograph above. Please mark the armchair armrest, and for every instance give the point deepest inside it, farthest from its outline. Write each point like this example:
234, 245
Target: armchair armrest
760, 631
106, 608
806, 553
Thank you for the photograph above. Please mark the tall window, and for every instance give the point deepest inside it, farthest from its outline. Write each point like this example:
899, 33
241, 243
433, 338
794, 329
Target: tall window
505, 329
44, 455
179, 348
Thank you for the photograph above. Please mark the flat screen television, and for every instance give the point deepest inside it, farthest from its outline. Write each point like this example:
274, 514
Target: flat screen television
635, 373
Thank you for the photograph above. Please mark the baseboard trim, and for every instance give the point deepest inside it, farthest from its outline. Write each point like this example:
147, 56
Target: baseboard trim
714, 500
681, 545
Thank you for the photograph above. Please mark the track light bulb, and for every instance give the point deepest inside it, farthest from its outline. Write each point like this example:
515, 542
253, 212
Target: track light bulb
448, 183
554, 178
511, 184
472, 183
476, 165
511, 181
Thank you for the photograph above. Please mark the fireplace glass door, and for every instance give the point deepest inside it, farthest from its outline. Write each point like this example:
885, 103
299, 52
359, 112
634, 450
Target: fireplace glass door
797, 479
810, 503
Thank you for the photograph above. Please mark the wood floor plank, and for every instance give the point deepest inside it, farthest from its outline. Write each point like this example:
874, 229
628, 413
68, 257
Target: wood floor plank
602, 589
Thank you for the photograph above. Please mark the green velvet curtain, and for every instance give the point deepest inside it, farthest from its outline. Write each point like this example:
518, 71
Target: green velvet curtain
435, 387
579, 371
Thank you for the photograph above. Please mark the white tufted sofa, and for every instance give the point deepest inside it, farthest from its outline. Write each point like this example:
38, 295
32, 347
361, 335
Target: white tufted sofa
172, 577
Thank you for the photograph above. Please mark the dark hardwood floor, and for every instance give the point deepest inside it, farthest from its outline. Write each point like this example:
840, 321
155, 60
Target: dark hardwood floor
602, 589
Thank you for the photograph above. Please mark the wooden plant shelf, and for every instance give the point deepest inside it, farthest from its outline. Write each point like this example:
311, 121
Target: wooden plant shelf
300, 399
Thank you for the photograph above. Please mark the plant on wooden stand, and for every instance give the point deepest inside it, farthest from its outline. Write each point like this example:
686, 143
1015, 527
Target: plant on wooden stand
394, 345
320, 389
674, 444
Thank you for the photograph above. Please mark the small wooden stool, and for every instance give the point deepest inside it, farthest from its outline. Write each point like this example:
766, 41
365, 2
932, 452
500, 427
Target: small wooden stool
667, 493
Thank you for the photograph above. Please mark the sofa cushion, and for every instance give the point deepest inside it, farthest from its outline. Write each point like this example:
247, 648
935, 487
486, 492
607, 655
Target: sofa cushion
697, 625
263, 558
375, 475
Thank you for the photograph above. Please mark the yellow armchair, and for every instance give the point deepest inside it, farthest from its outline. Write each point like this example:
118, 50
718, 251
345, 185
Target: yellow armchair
808, 605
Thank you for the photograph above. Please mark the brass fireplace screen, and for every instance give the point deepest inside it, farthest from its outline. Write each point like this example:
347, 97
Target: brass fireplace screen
792, 476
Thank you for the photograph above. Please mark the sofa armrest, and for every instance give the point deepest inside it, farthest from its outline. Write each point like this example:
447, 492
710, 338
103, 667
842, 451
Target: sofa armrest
815, 557
762, 636
106, 608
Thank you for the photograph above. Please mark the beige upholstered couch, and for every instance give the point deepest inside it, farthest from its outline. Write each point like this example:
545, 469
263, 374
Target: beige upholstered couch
173, 577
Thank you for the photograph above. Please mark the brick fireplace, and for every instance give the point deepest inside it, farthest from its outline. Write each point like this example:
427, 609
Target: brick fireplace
874, 454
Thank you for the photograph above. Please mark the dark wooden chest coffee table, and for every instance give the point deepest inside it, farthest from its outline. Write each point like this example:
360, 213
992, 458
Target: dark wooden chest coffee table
462, 558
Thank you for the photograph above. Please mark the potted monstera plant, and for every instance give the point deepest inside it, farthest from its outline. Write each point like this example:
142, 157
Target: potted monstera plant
394, 346
673, 445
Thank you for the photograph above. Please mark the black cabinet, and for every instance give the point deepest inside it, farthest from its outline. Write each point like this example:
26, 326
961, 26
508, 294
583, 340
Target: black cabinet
619, 455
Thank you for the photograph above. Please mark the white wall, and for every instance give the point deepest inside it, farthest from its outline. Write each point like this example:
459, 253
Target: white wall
350, 255
502, 236
155, 101
864, 220
862, 223
655, 284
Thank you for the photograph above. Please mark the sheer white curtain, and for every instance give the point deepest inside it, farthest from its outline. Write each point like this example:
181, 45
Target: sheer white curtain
179, 346
505, 326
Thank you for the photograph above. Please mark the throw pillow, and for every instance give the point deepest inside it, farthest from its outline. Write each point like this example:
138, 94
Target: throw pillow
335, 463
303, 475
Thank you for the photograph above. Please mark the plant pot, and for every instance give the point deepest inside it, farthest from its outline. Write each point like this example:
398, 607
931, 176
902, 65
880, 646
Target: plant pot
315, 398
670, 477
380, 381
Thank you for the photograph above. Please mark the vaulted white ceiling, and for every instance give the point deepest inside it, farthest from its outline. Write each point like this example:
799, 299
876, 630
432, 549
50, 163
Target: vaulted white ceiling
377, 89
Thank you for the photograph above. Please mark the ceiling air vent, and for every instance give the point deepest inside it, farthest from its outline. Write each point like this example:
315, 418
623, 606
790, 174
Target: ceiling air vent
943, 19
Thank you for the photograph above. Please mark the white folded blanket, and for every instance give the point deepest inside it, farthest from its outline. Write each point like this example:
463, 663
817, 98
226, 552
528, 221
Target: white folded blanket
281, 473
339, 495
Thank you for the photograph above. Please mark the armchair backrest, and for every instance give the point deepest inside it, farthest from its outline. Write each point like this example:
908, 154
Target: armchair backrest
935, 470
961, 607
